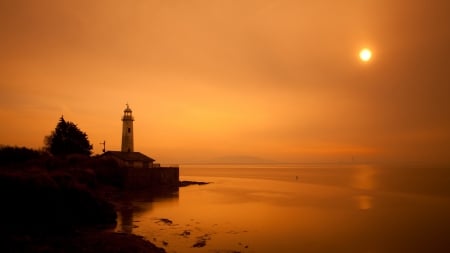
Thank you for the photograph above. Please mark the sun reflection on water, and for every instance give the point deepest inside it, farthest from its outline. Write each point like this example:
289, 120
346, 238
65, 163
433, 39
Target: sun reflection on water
364, 181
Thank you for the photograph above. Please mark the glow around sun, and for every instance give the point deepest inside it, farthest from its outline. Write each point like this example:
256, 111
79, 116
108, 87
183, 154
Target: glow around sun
365, 54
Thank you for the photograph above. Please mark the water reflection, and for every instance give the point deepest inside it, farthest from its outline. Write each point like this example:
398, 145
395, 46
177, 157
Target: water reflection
321, 212
133, 204
364, 177
125, 219
364, 202
364, 182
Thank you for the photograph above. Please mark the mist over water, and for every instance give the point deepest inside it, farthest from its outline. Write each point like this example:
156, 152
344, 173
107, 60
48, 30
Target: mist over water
299, 208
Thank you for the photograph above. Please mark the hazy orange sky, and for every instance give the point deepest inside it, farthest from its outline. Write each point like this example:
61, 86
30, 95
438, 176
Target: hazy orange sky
280, 80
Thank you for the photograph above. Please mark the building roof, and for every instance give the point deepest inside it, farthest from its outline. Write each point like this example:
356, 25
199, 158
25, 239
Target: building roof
129, 156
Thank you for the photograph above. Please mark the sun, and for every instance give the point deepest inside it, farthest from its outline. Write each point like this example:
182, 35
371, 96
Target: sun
365, 54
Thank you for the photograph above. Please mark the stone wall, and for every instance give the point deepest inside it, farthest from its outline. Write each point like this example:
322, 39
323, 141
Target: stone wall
156, 177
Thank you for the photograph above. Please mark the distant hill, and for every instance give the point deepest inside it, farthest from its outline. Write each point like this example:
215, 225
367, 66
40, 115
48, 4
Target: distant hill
239, 159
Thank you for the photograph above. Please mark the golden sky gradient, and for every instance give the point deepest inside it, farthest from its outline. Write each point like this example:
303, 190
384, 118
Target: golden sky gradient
281, 80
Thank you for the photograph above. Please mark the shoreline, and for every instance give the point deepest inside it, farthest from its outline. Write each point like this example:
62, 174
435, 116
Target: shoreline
88, 241
189, 183
73, 211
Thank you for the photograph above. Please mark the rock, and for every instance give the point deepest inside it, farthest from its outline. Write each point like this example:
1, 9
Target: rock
199, 244
187, 183
186, 233
165, 221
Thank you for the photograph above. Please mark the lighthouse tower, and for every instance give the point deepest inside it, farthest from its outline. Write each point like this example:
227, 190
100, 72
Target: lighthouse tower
127, 131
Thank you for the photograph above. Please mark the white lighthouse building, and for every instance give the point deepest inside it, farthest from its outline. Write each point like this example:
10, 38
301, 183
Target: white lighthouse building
127, 130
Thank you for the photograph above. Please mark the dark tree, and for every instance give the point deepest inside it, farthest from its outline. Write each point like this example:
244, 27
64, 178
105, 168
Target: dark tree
67, 139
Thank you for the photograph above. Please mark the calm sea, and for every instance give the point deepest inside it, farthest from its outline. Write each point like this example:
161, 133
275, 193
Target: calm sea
298, 208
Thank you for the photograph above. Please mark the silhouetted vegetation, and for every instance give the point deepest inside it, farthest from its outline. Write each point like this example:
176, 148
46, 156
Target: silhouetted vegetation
40, 201
46, 200
97, 242
67, 139
54, 193
108, 172
18, 155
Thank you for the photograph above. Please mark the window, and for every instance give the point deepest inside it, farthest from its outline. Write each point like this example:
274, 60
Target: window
129, 130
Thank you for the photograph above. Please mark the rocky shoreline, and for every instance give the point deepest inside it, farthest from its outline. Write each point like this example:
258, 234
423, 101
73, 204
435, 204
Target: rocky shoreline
70, 204
44, 237
188, 183
44, 212
91, 241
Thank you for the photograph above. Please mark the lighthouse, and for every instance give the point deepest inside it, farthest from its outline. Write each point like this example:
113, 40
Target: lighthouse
127, 130
140, 170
